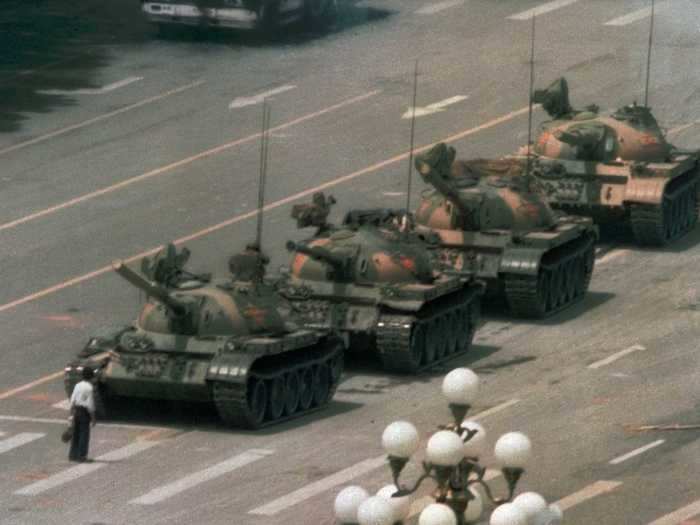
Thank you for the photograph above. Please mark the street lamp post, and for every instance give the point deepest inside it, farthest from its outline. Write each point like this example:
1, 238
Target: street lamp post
452, 463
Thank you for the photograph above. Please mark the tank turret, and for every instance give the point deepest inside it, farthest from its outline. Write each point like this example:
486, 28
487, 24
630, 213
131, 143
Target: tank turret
491, 219
615, 167
377, 281
233, 343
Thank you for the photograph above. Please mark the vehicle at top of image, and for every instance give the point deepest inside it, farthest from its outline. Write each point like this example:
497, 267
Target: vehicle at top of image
231, 342
491, 220
616, 167
241, 14
376, 280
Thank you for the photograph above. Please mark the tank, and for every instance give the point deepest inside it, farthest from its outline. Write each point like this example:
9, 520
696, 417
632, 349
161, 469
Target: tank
232, 342
491, 220
616, 168
374, 279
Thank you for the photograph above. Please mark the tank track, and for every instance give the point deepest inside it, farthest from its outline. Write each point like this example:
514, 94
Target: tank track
657, 225
411, 343
562, 280
234, 401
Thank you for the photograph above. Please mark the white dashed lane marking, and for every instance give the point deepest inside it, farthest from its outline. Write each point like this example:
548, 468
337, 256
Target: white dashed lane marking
241, 102
495, 409
92, 91
616, 356
435, 107
635, 16
83, 469
636, 452
542, 9
172, 489
431, 9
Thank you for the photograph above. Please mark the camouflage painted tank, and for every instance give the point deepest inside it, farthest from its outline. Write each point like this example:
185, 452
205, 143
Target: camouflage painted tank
616, 167
373, 279
491, 221
226, 341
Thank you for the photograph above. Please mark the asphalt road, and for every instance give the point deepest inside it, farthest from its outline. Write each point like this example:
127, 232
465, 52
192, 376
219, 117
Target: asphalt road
116, 141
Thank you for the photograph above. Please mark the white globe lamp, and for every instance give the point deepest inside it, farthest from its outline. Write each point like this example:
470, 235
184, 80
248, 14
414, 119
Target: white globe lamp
513, 450
445, 449
375, 511
460, 387
400, 439
437, 514
401, 505
507, 514
347, 502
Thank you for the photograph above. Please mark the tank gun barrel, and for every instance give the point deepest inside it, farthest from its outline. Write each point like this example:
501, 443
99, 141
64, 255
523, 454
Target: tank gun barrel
442, 185
150, 288
339, 262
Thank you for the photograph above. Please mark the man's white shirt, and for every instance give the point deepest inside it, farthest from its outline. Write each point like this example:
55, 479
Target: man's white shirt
83, 396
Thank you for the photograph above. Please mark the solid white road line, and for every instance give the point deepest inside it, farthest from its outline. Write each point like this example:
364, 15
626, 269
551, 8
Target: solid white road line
431, 9
241, 102
635, 16
32, 384
92, 91
680, 515
322, 485
180, 163
18, 440
73, 127
62, 405
586, 493
172, 489
612, 254
636, 452
73, 473
495, 409
54, 421
616, 356
435, 107
540, 10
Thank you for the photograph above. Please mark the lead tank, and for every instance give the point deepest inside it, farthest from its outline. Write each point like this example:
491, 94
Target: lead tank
375, 280
616, 167
491, 220
229, 342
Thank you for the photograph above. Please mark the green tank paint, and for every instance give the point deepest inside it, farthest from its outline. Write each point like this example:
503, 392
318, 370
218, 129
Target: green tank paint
615, 167
491, 220
376, 280
230, 341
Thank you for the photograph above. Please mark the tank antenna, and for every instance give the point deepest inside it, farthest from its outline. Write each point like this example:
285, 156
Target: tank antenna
264, 139
413, 128
529, 109
651, 40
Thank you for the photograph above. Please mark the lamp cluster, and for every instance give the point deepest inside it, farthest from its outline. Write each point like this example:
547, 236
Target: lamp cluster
452, 462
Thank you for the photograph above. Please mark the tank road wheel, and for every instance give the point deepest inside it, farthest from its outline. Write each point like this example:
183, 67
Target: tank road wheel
463, 325
257, 402
578, 276
432, 342
306, 388
276, 398
336, 366
453, 329
292, 390
321, 387
102, 402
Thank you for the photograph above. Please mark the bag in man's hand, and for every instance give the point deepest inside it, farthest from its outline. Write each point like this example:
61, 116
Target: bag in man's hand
67, 434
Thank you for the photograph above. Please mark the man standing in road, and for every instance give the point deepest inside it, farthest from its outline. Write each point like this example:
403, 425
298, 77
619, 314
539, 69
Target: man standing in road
82, 405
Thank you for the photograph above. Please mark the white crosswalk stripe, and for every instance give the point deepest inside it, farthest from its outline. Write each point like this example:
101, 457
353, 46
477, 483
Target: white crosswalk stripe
168, 491
18, 440
679, 516
431, 9
542, 9
84, 469
320, 486
586, 493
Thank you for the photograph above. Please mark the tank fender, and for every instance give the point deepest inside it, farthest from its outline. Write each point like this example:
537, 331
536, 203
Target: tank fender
645, 190
521, 261
232, 367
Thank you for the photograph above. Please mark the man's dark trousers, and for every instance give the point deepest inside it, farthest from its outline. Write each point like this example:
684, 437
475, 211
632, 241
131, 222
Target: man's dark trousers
81, 434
